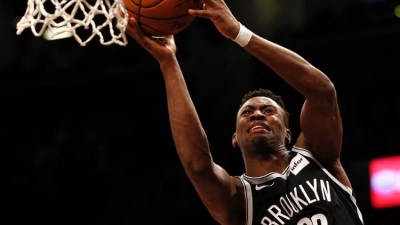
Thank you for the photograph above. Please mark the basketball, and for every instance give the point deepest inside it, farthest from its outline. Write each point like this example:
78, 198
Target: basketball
162, 17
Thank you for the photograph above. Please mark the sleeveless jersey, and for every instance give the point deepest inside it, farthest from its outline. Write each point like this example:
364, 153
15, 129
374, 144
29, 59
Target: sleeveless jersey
304, 194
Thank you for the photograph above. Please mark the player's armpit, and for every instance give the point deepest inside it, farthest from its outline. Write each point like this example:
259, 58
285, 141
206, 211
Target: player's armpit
222, 195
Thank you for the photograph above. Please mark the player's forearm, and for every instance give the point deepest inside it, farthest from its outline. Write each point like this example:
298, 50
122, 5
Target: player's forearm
291, 67
188, 134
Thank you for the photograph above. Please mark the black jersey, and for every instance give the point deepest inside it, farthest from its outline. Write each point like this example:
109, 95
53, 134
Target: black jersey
304, 194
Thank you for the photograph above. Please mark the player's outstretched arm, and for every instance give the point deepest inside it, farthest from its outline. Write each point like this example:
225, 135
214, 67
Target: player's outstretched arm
320, 118
217, 190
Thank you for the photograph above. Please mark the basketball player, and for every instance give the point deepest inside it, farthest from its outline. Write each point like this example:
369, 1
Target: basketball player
304, 185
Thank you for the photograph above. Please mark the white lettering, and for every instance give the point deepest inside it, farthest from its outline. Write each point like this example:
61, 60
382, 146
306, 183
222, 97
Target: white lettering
314, 188
291, 204
297, 200
277, 214
286, 207
326, 192
305, 195
267, 221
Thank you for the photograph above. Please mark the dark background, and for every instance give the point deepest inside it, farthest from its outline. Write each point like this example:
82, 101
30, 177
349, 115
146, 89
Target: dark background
85, 136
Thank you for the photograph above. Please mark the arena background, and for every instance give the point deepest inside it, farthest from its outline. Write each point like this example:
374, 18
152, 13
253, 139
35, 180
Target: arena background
85, 136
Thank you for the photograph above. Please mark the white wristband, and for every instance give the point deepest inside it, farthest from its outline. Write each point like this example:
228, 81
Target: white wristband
244, 36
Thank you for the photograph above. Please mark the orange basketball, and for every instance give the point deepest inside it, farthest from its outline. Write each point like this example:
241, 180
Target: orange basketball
162, 17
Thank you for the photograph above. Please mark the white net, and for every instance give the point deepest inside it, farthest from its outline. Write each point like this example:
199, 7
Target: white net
106, 19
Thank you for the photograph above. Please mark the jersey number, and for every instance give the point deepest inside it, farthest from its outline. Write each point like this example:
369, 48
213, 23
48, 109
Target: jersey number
317, 219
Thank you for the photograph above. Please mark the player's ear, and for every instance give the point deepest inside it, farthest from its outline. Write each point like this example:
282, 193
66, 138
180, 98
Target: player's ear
288, 136
234, 140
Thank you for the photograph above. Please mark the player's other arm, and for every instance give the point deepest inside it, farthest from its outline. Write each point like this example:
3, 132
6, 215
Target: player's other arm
220, 193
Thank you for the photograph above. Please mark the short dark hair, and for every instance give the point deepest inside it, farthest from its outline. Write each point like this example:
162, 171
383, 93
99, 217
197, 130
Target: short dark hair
267, 93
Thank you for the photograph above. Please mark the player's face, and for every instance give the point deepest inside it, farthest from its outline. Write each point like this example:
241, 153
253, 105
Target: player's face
260, 121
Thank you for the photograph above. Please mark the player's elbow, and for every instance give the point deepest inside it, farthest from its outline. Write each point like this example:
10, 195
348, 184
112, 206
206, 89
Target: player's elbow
317, 86
323, 85
328, 90
199, 165
324, 92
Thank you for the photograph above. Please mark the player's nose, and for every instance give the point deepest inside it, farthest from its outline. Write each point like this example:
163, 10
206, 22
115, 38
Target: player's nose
257, 114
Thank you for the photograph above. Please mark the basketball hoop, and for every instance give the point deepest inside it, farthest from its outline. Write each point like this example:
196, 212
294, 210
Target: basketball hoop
103, 18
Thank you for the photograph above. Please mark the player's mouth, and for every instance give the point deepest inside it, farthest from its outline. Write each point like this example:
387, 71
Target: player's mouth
259, 126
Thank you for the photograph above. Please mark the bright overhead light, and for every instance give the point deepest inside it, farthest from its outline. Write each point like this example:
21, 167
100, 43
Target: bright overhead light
397, 11
56, 33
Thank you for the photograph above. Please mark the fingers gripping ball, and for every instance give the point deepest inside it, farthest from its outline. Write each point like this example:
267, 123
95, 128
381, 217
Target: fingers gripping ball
162, 17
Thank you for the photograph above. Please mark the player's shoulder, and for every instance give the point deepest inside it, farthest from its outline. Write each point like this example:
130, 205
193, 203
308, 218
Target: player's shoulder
237, 182
301, 158
299, 152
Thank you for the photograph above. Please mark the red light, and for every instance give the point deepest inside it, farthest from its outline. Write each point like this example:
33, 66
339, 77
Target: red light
385, 182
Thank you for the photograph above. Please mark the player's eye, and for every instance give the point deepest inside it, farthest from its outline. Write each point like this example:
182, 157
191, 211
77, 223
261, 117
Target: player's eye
269, 110
246, 112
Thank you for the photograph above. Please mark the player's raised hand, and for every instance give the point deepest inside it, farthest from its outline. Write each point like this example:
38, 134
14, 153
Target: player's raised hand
219, 13
159, 47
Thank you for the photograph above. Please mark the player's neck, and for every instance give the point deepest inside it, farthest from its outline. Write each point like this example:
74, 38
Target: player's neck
262, 164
